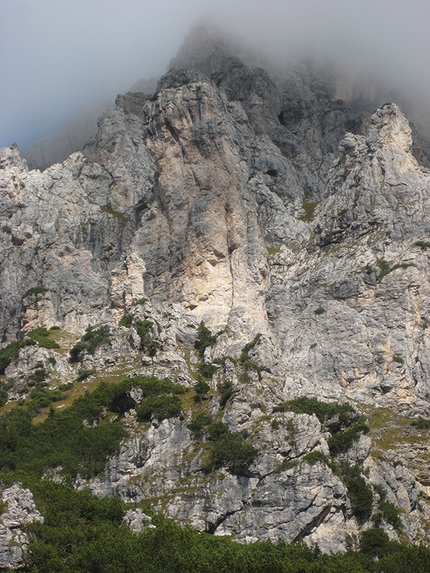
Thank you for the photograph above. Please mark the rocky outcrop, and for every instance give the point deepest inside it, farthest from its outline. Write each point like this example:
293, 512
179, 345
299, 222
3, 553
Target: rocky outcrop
17, 509
297, 231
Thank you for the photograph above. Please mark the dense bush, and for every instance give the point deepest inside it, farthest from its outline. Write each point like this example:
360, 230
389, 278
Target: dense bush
245, 360
342, 420
89, 342
3, 397
198, 423
390, 514
421, 423
333, 416
207, 370
374, 542
10, 353
82, 533
200, 388
34, 290
341, 442
204, 339
226, 390
147, 343
229, 449
316, 457
359, 492
159, 397
385, 268
41, 337
126, 320
62, 440
161, 407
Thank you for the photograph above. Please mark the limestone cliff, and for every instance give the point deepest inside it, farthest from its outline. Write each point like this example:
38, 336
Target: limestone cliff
297, 231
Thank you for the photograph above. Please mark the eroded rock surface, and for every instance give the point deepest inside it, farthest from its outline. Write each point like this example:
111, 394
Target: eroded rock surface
262, 206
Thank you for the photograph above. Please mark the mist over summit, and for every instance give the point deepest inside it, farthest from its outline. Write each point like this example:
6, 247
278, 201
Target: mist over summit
60, 56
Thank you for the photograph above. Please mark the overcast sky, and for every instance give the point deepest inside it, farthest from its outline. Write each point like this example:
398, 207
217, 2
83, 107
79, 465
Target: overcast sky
56, 55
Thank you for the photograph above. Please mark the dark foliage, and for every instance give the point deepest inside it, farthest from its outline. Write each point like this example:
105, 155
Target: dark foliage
34, 290
226, 390
199, 423
229, 449
10, 353
421, 423
147, 343
41, 337
204, 339
89, 342
126, 320
341, 441
246, 362
207, 370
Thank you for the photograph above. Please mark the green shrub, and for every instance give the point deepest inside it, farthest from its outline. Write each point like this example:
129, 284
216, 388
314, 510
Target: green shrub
385, 268
374, 542
66, 386
41, 337
246, 362
3, 397
84, 373
139, 301
126, 320
228, 449
207, 370
315, 457
424, 245
10, 353
89, 342
334, 417
34, 290
390, 513
204, 339
226, 390
319, 310
421, 423
200, 388
43, 397
62, 439
359, 492
161, 407
341, 442
198, 423
397, 358
39, 375
144, 331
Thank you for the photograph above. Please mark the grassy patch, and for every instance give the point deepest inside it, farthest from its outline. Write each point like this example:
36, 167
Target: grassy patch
385, 268
120, 217
309, 209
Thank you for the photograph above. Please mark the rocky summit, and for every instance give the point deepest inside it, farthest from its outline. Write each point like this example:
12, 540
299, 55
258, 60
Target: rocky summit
259, 250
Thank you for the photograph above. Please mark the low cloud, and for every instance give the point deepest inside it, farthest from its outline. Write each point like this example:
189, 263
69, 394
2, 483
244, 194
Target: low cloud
57, 56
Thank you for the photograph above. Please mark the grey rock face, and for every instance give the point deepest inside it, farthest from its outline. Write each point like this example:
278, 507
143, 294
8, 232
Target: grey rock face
237, 199
19, 509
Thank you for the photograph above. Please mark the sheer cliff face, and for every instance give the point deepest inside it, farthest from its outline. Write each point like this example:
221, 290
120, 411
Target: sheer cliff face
259, 206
